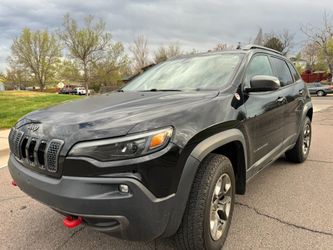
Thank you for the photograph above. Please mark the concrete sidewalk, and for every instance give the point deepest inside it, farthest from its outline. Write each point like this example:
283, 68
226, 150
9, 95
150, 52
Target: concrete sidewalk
4, 147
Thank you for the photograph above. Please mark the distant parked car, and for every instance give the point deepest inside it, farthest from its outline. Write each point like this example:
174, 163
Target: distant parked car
319, 89
65, 91
80, 91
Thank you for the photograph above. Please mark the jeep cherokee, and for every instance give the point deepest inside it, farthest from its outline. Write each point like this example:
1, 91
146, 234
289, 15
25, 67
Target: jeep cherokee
166, 154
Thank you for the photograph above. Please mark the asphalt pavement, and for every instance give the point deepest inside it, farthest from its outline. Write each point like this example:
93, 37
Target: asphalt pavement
287, 206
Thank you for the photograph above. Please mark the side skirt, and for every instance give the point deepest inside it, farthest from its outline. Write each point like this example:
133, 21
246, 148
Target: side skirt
267, 160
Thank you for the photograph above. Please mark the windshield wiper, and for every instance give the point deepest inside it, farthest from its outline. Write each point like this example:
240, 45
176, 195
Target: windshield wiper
160, 90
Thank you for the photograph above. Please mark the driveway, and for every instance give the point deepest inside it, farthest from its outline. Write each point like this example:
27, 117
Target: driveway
287, 206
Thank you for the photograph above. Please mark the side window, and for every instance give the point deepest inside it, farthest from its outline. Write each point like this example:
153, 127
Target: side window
281, 71
259, 65
294, 72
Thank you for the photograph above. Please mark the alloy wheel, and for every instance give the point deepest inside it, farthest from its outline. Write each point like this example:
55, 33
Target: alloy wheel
220, 206
320, 93
306, 139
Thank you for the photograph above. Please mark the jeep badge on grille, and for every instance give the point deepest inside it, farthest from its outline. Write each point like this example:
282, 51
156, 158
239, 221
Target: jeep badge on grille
33, 127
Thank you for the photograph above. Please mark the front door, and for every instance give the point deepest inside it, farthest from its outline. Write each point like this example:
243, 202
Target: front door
264, 111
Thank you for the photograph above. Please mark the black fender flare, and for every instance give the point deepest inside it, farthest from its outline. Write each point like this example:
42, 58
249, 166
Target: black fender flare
306, 108
216, 141
190, 169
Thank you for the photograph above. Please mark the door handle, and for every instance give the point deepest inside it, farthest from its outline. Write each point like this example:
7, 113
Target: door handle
281, 100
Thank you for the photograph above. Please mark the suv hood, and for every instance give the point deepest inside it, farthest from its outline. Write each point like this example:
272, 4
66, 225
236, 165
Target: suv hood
111, 114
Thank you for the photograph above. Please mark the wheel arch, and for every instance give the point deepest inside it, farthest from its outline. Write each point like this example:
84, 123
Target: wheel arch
232, 144
309, 113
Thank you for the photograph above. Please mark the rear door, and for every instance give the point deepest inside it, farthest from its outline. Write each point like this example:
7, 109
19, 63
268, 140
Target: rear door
264, 112
292, 88
299, 97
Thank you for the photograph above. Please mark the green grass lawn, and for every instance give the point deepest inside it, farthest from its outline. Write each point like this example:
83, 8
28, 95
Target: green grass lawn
15, 104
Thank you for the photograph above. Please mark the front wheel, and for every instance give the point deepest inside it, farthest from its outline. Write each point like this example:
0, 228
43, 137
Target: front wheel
208, 214
301, 150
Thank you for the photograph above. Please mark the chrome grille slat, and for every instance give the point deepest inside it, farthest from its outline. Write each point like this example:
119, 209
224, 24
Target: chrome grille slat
35, 152
23, 146
31, 151
27, 149
40, 153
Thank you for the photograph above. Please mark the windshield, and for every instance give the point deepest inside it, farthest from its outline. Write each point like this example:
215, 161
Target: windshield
192, 73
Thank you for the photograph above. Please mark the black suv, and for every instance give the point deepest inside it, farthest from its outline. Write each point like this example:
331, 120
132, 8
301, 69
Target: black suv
166, 154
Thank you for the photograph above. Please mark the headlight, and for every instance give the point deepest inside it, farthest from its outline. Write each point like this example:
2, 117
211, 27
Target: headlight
123, 147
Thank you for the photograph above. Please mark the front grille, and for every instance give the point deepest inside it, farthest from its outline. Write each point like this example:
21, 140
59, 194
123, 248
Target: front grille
35, 152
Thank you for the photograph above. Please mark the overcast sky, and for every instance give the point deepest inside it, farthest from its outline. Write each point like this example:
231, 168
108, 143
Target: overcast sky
195, 24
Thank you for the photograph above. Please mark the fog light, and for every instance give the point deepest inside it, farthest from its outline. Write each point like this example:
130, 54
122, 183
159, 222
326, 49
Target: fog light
123, 188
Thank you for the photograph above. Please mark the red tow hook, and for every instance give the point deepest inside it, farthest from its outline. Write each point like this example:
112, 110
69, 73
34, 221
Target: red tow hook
72, 222
14, 183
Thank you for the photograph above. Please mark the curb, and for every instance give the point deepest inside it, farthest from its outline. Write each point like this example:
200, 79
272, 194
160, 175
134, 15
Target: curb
4, 151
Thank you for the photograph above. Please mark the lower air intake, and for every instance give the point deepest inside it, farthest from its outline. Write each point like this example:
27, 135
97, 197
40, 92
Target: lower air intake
52, 155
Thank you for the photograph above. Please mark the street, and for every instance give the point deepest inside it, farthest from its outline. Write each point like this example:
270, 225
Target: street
286, 206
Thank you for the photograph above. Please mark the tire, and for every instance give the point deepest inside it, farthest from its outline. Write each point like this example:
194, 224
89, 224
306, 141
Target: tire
300, 151
195, 230
320, 93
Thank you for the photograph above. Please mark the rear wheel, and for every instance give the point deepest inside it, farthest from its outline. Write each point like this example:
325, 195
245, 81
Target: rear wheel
301, 150
210, 206
320, 93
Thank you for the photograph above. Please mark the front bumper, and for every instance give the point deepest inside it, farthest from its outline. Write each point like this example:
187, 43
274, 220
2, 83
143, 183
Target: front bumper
137, 215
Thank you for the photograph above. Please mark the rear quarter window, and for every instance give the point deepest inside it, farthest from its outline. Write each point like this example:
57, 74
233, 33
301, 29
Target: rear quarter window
281, 71
294, 72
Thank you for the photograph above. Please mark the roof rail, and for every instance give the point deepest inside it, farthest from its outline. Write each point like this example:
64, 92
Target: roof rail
254, 46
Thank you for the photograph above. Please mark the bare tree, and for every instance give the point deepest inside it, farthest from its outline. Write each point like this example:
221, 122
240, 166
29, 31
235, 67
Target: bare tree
174, 49
38, 52
287, 40
140, 53
322, 36
86, 44
114, 65
310, 53
17, 74
164, 53
281, 41
223, 47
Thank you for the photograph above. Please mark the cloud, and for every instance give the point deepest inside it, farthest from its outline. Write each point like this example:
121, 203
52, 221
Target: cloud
195, 24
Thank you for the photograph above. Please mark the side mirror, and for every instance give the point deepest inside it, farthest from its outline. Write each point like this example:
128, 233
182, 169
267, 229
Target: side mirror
264, 83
